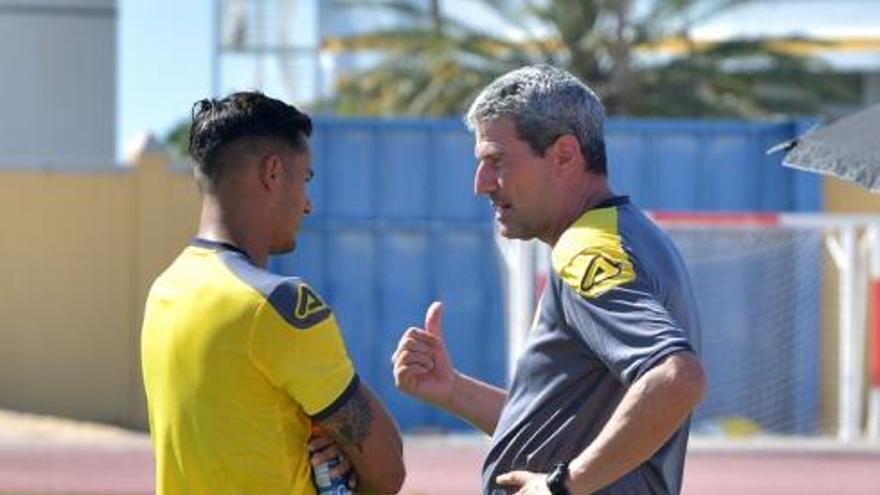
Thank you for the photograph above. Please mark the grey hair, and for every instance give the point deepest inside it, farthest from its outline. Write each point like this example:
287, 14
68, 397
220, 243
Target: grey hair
545, 103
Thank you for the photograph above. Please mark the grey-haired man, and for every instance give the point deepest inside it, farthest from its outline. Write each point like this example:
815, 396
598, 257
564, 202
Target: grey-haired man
602, 393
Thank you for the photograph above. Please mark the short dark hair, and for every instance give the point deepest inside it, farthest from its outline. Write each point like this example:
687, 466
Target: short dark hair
218, 122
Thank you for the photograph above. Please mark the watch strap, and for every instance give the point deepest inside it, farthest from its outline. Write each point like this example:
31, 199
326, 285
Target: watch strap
556, 479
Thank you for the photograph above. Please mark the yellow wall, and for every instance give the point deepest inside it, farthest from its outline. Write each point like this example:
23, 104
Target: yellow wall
845, 197
78, 253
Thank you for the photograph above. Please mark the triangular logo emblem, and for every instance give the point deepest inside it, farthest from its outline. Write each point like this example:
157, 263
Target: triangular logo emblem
307, 303
600, 269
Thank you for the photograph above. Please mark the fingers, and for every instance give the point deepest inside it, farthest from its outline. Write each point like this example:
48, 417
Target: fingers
415, 339
319, 442
322, 449
413, 358
513, 478
419, 335
408, 370
411, 369
341, 469
415, 347
325, 455
433, 319
414, 354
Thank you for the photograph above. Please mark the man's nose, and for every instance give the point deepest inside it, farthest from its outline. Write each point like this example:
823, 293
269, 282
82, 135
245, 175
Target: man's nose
485, 179
308, 207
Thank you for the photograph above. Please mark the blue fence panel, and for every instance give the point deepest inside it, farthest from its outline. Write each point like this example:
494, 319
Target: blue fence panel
346, 165
403, 174
708, 165
396, 225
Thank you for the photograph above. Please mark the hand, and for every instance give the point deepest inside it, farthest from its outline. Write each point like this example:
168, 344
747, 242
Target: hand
421, 363
322, 448
527, 482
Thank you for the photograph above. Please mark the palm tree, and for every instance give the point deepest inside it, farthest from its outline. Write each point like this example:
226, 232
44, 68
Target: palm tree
638, 55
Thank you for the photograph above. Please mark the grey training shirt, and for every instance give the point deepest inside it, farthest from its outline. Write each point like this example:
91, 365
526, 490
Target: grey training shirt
618, 300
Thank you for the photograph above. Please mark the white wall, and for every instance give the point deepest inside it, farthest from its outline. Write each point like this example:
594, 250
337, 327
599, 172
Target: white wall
57, 83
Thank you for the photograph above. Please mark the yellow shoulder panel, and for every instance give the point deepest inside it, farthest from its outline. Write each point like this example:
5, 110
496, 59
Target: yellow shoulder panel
589, 256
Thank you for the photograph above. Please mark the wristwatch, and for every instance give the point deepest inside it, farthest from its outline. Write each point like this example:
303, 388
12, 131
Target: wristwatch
556, 479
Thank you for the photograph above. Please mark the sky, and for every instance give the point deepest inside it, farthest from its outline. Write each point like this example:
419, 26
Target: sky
165, 49
163, 64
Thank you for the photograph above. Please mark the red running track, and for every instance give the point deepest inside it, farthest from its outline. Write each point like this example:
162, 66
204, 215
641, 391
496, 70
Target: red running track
436, 466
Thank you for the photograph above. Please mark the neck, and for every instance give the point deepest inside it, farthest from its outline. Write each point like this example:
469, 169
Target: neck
222, 223
581, 199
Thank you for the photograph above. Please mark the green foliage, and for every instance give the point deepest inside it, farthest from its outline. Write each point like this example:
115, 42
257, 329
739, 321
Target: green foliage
436, 64
178, 138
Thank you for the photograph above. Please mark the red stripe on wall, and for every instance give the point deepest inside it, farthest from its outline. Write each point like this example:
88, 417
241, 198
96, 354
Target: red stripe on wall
719, 219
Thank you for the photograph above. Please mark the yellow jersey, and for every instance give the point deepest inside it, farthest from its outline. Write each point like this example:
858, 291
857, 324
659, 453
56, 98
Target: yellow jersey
237, 361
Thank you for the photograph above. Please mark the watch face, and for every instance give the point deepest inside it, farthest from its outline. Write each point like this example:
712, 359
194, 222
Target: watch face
556, 479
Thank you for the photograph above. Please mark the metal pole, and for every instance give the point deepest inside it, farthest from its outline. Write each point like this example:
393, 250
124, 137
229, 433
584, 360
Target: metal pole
319, 68
849, 395
873, 239
519, 261
215, 51
259, 30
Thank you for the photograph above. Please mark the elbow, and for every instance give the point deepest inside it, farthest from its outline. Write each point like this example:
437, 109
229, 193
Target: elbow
396, 479
389, 482
682, 376
397, 473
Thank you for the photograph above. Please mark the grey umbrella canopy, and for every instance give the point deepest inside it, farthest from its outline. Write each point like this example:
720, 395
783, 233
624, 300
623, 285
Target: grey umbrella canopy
848, 148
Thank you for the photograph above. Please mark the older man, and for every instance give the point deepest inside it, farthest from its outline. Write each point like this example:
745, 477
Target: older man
602, 393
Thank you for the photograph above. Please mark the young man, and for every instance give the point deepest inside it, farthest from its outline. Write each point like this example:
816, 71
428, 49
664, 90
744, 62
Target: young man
601, 396
238, 362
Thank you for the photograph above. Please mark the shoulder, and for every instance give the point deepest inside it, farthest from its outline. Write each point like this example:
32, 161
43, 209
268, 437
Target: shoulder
590, 257
290, 297
295, 301
654, 253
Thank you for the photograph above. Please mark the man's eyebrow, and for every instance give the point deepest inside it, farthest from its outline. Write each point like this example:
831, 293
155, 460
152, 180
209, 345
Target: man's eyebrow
490, 154
488, 151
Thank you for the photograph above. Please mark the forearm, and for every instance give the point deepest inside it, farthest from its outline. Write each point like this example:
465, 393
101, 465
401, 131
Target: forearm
365, 431
477, 402
650, 412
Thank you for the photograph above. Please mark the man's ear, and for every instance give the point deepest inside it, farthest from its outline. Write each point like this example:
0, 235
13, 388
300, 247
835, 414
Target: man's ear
271, 171
567, 152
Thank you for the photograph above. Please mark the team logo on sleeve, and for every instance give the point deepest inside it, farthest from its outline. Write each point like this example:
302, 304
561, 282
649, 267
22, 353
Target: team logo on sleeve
308, 308
601, 273
599, 270
308, 303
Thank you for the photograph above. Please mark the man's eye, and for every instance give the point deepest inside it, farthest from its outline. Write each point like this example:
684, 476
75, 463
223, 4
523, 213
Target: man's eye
310, 175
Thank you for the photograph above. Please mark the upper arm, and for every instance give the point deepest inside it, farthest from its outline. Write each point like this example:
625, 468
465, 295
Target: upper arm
627, 327
365, 431
299, 348
609, 300
684, 375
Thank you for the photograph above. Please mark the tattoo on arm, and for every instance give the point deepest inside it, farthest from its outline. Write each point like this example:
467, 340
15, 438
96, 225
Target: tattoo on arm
351, 424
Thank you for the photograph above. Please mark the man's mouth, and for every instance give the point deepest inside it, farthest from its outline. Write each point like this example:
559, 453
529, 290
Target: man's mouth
500, 207
498, 203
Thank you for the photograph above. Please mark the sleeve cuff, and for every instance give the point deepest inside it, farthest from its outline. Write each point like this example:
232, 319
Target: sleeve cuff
657, 357
339, 401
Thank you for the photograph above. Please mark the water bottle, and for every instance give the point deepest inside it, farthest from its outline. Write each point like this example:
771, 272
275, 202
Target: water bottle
330, 485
